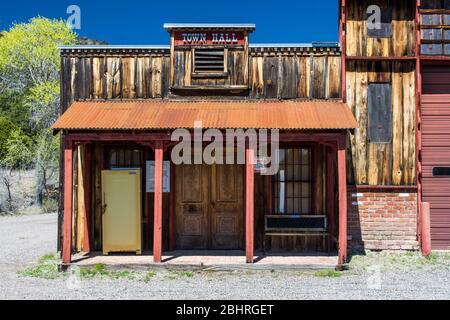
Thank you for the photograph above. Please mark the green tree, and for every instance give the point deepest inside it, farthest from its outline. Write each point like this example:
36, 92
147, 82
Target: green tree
30, 65
46, 162
6, 127
29, 54
17, 155
14, 108
42, 101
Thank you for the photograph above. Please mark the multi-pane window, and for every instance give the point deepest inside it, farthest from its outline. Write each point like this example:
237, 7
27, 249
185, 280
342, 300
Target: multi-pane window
435, 4
435, 27
291, 187
123, 158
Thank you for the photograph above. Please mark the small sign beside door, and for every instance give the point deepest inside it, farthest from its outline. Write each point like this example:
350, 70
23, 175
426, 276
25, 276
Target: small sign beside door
260, 164
150, 178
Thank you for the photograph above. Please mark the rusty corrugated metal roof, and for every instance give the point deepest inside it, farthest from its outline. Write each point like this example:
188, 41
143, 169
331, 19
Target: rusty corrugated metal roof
166, 114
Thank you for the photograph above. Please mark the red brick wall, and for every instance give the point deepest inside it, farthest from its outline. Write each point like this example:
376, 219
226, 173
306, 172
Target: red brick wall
380, 219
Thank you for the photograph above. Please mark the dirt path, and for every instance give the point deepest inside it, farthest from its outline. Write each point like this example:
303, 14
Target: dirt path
24, 239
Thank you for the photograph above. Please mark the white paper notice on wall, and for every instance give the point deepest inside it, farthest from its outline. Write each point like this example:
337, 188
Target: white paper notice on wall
260, 164
150, 179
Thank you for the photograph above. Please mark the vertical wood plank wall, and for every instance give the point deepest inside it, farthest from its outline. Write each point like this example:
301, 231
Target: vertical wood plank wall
288, 74
312, 74
390, 163
402, 42
114, 76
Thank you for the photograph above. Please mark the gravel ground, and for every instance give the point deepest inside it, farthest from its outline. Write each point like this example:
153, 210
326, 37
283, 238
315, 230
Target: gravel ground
23, 240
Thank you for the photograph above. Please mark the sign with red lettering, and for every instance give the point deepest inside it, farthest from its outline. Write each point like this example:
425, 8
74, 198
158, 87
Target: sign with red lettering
209, 38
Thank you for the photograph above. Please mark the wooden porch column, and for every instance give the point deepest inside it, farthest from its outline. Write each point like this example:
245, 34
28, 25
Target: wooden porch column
87, 195
331, 193
157, 226
68, 193
249, 204
342, 183
172, 208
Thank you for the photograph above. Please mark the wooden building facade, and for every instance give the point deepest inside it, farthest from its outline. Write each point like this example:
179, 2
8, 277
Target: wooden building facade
355, 160
405, 60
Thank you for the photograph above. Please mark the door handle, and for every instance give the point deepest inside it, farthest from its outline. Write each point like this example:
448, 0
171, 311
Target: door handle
213, 204
105, 205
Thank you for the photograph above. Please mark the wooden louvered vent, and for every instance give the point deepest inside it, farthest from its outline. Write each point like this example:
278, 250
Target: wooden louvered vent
209, 60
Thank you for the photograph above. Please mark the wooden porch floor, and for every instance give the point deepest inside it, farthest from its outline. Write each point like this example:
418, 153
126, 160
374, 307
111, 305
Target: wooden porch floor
210, 260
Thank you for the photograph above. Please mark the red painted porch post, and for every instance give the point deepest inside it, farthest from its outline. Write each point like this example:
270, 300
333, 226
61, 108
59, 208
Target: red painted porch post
331, 193
68, 190
425, 244
87, 195
342, 184
249, 204
157, 226
172, 208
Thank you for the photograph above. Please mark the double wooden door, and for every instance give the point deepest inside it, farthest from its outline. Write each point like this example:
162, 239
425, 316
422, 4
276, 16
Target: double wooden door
209, 213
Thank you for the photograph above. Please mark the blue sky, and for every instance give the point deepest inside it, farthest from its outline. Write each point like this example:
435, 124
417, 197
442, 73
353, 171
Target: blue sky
140, 22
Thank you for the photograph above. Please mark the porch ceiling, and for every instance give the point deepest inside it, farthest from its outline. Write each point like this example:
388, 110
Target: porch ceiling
163, 114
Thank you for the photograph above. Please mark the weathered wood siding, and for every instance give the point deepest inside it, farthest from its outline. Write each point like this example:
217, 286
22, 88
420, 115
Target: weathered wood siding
235, 63
275, 73
390, 163
109, 76
286, 74
402, 41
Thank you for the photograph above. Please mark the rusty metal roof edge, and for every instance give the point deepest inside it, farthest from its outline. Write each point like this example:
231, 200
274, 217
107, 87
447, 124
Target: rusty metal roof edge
113, 47
180, 26
199, 100
295, 45
190, 127
322, 114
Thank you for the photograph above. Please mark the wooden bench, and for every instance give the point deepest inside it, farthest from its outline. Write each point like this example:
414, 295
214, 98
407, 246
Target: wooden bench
294, 225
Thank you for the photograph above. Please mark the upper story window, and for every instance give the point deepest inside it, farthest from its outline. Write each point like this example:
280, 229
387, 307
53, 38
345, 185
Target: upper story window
210, 61
435, 4
435, 24
379, 22
379, 98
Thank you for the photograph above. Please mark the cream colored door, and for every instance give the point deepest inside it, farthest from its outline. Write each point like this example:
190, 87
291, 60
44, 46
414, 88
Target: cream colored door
121, 202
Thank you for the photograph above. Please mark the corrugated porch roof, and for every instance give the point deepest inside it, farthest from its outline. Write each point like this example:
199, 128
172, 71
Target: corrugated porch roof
167, 114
